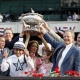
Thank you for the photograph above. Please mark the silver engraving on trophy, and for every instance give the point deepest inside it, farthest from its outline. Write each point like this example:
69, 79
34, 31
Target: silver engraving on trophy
32, 22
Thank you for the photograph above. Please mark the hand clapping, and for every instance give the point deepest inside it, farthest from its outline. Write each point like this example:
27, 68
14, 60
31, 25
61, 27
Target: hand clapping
5, 54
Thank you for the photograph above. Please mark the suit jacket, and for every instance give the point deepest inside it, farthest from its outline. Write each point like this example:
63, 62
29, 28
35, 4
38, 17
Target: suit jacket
55, 36
71, 60
9, 54
1, 58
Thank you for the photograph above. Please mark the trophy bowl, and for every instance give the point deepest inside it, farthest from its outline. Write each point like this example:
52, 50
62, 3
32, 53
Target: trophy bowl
32, 21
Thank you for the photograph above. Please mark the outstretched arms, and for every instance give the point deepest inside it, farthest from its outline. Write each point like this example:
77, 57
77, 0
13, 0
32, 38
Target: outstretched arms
52, 33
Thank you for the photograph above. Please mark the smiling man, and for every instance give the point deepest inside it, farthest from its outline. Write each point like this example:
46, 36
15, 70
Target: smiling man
18, 63
66, 56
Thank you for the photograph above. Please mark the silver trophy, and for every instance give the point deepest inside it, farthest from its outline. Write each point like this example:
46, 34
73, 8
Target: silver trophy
32, 21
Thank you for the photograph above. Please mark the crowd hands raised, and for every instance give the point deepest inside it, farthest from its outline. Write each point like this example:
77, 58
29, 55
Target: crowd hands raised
22, 58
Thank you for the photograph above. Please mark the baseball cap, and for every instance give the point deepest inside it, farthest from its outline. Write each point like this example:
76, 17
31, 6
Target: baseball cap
19, 45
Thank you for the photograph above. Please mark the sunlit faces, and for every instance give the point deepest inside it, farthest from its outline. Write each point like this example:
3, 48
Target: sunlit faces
78, 39
8, 35
68, 38
33, 48
18, 52
2, 42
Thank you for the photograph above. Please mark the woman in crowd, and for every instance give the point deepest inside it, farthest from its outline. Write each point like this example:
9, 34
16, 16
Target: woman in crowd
32, 47
33, 50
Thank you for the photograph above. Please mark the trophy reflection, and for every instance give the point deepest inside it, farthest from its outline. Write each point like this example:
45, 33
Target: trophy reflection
32, 21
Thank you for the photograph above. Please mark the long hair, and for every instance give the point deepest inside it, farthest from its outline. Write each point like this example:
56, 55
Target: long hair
30, 44
49, 54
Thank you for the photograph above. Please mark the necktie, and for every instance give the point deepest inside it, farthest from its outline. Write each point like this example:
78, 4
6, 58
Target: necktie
59, 56
2, 52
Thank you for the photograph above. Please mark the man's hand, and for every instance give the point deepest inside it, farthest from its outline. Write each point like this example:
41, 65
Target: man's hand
22, 33
5, 54
40, 36
27, 34
45, 25
42, 30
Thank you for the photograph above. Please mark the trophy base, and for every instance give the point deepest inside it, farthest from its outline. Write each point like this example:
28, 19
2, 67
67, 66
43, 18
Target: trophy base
32, 32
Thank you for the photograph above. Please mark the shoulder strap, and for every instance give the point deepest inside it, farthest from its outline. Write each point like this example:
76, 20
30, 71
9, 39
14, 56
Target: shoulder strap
25, 60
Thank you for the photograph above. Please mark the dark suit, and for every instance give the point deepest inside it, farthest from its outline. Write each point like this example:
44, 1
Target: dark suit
71, 60
1, 58
11, 43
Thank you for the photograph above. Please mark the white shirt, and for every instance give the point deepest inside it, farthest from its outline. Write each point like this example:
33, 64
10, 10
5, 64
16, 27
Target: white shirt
64, 54
1, 18
17, 65
75, 16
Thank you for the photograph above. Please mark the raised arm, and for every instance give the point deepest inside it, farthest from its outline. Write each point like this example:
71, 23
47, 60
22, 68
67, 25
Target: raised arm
27, 38
52, 33
4, 65
28, 59
49, 38
44, 41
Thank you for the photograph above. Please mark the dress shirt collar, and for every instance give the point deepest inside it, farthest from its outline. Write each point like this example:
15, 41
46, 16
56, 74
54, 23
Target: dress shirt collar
69, 45
1, 49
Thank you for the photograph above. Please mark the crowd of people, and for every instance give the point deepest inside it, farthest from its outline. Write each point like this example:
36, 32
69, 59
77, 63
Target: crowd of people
73, 17
18, 56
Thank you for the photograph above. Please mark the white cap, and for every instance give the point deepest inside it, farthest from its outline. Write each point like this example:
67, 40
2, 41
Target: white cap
19, 45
